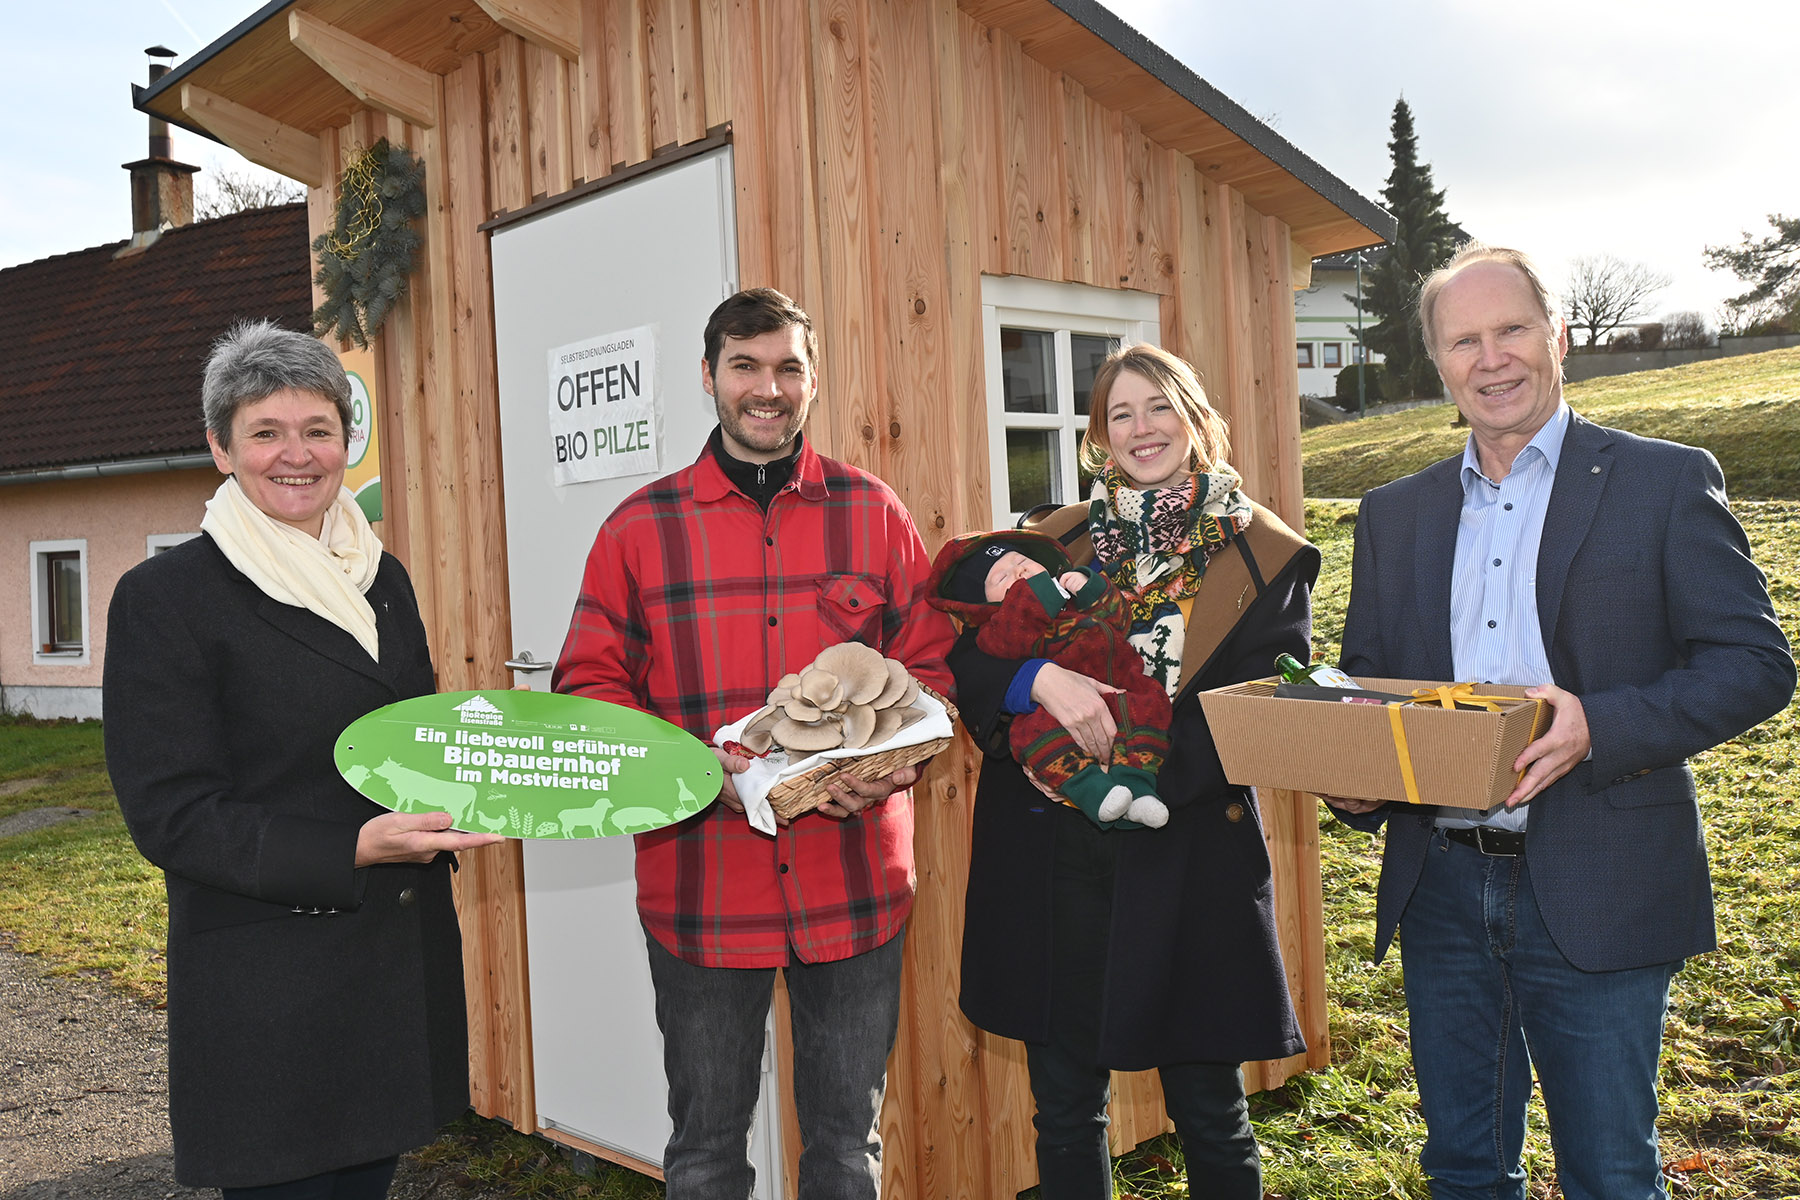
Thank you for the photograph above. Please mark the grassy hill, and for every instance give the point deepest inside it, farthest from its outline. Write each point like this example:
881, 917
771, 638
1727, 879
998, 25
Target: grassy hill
78, 895
1731, 1061
1742, 409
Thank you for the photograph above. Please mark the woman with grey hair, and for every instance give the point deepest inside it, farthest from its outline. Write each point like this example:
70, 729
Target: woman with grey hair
316, 1017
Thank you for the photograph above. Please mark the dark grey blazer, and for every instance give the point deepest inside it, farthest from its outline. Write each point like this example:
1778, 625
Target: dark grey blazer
298, 1042
1654, 616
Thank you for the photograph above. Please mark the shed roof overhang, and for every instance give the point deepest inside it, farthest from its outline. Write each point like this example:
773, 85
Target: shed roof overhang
262, 90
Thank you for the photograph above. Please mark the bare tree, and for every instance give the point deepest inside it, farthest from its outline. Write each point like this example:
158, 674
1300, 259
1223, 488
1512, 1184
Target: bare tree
224, 192
1686, 330
1604, 293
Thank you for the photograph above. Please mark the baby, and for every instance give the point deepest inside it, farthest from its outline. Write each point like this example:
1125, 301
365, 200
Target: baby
1028, 601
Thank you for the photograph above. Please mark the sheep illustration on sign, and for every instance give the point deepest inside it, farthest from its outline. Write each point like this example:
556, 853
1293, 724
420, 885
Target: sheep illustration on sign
529, 764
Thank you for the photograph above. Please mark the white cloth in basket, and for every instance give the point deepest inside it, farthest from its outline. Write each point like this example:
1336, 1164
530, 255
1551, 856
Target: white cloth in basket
755, 784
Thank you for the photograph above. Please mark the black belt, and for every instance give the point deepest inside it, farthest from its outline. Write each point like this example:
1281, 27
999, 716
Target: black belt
1497, 843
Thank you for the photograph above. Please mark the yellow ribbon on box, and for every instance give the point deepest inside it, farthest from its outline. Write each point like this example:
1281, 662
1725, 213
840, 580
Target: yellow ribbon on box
1447, 695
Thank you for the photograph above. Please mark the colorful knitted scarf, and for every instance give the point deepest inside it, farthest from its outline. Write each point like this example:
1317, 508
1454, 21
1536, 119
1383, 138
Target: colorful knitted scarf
1154, 546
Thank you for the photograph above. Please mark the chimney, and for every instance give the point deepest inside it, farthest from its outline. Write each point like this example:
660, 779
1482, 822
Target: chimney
162, 190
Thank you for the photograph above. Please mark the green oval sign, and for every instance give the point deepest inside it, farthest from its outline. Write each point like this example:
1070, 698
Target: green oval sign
529, 764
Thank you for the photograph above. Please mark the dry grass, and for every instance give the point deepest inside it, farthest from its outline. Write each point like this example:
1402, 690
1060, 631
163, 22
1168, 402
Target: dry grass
1742, 409
80, 897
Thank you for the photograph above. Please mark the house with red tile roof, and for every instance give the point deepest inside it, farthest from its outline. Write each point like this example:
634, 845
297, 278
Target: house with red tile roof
103, 458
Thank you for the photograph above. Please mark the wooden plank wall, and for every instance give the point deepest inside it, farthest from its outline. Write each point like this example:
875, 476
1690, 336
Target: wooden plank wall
879, 214
444, 516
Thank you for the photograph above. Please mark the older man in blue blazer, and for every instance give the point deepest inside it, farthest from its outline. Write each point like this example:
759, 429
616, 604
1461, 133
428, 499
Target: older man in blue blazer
1605, 570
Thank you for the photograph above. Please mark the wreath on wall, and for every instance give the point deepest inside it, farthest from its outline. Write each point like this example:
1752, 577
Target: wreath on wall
367, 255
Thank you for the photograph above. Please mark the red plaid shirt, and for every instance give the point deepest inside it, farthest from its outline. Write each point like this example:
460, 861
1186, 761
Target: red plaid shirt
693, 604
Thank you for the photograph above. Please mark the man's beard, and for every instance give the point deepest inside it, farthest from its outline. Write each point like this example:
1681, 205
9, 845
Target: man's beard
759, 436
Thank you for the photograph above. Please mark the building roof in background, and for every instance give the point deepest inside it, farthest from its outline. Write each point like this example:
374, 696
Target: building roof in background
1347, 260
101, 356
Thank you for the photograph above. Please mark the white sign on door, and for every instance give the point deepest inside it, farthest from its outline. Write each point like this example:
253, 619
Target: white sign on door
605, 412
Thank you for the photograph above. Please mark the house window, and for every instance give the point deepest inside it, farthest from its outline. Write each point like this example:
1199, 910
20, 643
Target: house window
1333, 354
1305, 356
156, 543
59, 602
1043, 343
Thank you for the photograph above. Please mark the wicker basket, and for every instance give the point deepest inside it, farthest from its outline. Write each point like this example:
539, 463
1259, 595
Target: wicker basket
806, 791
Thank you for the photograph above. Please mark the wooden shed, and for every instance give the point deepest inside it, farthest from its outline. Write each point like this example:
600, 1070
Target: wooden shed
974, 198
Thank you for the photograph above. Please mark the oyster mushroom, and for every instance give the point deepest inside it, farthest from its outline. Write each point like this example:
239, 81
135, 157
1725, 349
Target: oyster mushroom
809, 738
818, 686
758, 734
897, 679
888, 722
864, 679
799, 710
859, 723
843, 659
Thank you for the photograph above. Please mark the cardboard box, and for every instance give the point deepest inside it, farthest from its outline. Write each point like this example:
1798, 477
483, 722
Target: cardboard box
1458, 757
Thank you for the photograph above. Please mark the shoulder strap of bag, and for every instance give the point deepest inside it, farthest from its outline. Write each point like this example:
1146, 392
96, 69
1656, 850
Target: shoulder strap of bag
1068, 525
1231, 582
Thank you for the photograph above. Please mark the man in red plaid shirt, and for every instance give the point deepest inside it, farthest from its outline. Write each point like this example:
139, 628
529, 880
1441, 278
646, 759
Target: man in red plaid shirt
701, 591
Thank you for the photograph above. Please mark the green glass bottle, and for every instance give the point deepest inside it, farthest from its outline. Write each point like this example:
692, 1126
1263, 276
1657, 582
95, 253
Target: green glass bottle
1292, 670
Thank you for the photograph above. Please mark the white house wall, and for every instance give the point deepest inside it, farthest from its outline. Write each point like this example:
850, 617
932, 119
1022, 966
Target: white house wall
1324, 317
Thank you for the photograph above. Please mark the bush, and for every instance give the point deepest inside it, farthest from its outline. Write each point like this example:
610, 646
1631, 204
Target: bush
1648, 336
1374, 386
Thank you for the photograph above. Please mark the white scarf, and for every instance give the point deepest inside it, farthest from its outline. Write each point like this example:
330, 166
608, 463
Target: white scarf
326, 575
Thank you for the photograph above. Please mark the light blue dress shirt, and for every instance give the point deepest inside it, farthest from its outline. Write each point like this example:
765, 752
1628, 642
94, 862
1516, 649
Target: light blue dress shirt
1494, 632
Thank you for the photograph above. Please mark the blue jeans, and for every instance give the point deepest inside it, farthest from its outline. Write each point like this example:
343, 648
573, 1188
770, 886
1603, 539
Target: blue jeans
1489, 995
1204, 1100
844, 1015
366, 1182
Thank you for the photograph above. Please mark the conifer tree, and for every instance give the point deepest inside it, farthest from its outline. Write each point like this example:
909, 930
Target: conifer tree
1772, 264
1424, 241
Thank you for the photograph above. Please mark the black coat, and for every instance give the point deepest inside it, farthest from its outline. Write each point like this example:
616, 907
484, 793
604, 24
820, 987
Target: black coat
1194, 971
300, 1041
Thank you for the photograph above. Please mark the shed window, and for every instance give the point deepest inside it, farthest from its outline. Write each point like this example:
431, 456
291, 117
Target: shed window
1305, 356
1044, 342
59, 601
1332, 354
156, 543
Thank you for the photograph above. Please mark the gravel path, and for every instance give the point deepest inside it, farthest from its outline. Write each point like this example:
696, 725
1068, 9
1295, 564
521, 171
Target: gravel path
83, 1095
84, 1111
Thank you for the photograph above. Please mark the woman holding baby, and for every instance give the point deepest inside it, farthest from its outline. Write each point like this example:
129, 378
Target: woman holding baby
1107, 945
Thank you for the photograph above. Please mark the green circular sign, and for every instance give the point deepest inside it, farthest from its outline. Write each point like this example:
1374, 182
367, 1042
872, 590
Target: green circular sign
529, 764
360, 419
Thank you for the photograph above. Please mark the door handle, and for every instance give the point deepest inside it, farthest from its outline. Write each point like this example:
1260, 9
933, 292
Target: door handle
527, 663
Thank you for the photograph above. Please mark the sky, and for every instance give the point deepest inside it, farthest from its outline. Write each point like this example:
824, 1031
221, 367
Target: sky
1562, 127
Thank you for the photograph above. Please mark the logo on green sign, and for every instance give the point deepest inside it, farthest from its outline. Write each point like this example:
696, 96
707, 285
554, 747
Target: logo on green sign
529, 764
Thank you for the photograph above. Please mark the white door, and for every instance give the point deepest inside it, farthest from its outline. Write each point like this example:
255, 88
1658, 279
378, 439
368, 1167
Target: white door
658, 251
